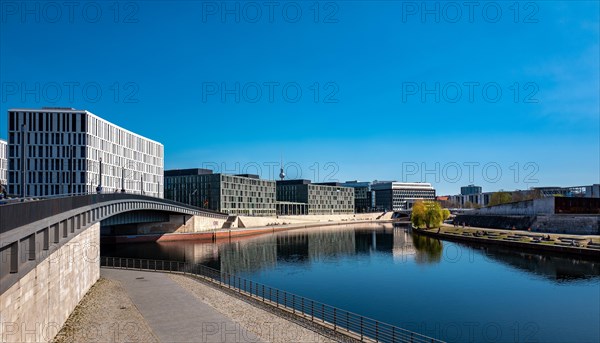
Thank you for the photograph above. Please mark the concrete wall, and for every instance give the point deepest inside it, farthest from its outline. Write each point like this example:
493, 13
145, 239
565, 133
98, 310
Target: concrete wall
495, 221
571, 224
552, 223
181, 224
264, 221
521, 208
35, 308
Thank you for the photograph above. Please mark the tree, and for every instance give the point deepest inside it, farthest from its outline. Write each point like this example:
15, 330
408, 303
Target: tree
417, 217
433, 215
499, 198
428, 214
445, 214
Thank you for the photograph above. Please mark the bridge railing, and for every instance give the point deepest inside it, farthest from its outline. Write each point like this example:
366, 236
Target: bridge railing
354, 325
18, 214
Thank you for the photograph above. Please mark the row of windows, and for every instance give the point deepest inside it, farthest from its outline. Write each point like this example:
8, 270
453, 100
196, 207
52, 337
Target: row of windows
47, 121
48, 151
103, 130
47, 164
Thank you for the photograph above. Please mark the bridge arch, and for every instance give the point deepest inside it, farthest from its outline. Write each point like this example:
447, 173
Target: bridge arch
30, 231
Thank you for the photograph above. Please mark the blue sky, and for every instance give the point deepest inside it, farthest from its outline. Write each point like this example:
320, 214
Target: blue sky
389, 89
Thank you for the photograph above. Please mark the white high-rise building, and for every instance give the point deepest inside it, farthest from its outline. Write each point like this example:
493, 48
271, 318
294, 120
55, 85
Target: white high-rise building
3, 164
66, 150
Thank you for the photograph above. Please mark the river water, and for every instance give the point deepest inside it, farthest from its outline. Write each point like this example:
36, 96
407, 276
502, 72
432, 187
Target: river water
446, 290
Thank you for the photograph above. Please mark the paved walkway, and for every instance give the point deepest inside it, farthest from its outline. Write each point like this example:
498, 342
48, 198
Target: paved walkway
173, 313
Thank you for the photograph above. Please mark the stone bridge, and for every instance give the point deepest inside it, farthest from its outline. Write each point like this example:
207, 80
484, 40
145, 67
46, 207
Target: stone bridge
49, 256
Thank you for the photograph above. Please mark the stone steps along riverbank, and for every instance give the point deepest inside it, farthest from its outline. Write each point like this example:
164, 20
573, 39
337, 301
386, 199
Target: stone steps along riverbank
573, 245
579, 224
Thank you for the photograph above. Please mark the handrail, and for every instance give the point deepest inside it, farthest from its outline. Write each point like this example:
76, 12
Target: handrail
339, 320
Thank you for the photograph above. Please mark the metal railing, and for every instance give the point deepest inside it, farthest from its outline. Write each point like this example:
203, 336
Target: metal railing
354, 325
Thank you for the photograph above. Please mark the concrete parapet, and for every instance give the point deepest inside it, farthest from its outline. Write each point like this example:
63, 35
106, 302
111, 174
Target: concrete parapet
35, 308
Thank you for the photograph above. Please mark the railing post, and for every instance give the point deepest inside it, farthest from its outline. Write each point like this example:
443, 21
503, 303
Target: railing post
302, 306
323, 312
284, 299
277, 295
334, 319
361, 328
393, 334
312, 310
293, 303
347, 321
411, 337
263, 292
376, 331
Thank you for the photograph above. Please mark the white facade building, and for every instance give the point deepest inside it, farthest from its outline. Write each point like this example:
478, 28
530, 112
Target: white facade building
66, 150
397, 196
3, 164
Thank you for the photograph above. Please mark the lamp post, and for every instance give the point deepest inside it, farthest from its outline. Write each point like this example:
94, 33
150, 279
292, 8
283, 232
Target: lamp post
71, 171
23, 160
190, 196
99, 188
123, 179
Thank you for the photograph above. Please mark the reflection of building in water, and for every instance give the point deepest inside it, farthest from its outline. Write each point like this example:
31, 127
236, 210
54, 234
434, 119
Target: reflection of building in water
323, 244
201, 253
292, 247
368, 241
311, 245
403, 244
248, 256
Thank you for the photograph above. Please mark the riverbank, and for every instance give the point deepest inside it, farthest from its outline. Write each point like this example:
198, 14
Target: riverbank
138, 306
587, 246
219, 234
105, 314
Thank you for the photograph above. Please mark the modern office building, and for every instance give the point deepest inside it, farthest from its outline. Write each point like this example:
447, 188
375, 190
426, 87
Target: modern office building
243, 194
3, 165
317, 198
470, 200
364, 199
397, 196
470, 189
69, 151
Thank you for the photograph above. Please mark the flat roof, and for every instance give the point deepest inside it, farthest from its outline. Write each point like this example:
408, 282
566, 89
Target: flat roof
293, 182
72, 110
187, 172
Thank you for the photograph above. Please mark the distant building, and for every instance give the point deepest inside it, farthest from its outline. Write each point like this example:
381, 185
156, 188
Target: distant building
3, 165
483, 199
397, 196
470, 200
592, 191
67, 150
470, 189
319, 198
243, 194
364, 201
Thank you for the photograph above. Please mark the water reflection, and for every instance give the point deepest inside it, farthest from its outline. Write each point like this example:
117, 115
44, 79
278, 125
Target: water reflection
313, 245
555, 268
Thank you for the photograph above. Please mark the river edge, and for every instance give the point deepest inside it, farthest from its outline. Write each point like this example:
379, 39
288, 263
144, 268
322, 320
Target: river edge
466, 235
220, 234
